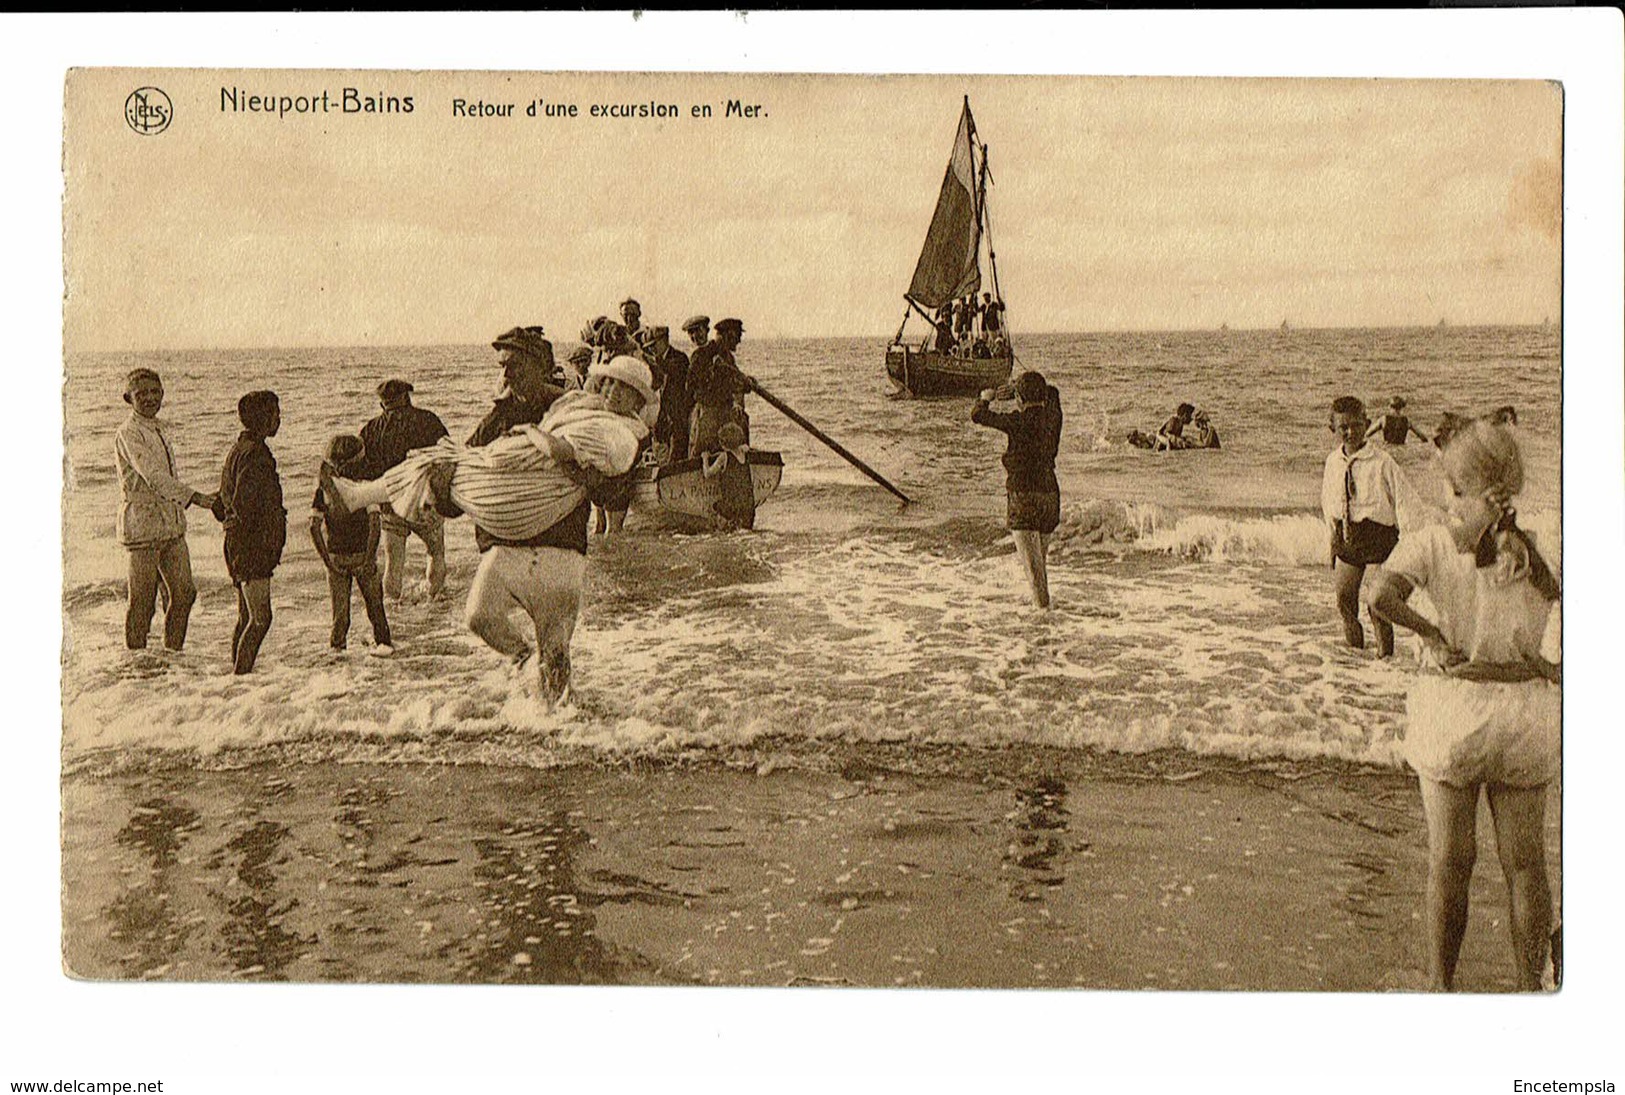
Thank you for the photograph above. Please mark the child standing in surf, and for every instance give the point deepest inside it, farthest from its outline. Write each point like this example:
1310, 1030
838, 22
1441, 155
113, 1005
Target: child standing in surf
1489, 714
348, 546
256, 525
1034, 506
1358, 497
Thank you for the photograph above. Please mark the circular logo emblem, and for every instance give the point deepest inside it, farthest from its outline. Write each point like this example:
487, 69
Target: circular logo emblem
148, 110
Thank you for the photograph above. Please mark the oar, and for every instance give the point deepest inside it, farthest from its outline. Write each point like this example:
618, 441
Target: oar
793, 415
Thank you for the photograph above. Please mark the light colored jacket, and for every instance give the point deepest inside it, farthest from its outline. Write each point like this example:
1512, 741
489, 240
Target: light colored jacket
152, 502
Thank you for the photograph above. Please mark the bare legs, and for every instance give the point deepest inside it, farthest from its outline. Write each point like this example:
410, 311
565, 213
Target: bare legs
1520, 815
253, 622
1452, 815
168, 563
1346, 578
1032, 548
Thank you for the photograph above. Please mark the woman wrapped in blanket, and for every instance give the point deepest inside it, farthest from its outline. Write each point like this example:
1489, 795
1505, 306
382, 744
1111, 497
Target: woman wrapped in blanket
518, 486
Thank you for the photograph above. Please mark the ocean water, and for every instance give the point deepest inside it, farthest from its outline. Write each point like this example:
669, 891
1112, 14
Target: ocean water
1193, 602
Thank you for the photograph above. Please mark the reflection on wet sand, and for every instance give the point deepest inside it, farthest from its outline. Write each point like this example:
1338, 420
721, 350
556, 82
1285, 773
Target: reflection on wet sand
256, 940
1041, 831
142, 916
1058, 870
538, 923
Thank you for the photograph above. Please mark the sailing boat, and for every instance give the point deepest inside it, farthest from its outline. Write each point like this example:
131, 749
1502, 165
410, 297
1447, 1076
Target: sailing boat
950, 270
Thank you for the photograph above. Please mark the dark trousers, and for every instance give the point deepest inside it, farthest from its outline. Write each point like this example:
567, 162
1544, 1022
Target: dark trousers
364, 570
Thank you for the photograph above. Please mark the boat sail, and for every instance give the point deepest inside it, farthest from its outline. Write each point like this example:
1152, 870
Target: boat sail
966, 347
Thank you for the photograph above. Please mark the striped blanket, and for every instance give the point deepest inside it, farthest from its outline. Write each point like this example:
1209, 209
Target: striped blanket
512, 488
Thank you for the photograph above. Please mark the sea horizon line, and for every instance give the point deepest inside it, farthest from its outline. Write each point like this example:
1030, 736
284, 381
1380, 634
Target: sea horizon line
877, 336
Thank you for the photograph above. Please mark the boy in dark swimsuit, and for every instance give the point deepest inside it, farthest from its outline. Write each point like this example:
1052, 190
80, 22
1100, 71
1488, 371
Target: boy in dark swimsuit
1394, 426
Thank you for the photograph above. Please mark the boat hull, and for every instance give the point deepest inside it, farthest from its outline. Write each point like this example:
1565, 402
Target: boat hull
926, 372
681, 487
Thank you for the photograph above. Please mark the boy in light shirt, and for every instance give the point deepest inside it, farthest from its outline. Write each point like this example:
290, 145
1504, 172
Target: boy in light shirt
1358, 499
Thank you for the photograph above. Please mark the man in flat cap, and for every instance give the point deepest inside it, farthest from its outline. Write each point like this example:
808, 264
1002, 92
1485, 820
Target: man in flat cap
529, 385
718, 388
670, 368
698, 329
398, 429
576, 375
544, 574
152, 516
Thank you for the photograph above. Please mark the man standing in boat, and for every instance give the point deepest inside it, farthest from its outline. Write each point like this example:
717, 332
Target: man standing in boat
632, 320
698, 329
715, 383
670, 368
991, 323
576, 375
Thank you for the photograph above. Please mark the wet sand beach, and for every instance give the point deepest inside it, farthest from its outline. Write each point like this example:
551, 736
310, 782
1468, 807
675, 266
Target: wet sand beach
837, 750
870, 865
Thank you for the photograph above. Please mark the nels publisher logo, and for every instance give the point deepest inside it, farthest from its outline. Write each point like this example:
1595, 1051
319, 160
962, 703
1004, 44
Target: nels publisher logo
148, 110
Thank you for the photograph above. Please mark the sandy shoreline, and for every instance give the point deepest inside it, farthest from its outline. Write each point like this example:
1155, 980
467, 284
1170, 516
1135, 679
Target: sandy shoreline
875, 866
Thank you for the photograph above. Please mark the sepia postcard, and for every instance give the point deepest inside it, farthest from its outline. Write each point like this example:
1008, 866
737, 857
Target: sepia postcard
792, 530
765, 548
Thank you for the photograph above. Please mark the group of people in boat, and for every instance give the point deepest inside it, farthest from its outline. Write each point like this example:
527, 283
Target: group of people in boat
970, 328
556, 442
699, 391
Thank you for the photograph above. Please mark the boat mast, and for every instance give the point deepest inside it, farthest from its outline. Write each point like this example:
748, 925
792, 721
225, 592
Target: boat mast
986, 220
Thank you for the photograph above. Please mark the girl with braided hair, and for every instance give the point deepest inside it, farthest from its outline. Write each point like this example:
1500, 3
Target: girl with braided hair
1486, 713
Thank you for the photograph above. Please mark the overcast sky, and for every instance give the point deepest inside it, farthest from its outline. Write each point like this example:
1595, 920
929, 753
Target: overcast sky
1138, 203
